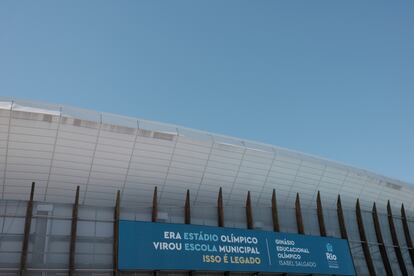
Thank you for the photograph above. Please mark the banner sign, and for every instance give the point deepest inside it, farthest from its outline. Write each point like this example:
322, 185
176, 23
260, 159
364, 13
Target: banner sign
164, 246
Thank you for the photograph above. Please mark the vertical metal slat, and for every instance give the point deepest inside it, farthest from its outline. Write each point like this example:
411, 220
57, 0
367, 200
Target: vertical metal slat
298, 211
117, 212
249, 212
341, 218
395, 242
381, 245
407, 234
321, 220
73, 233
364, 242
275, 215
26, 235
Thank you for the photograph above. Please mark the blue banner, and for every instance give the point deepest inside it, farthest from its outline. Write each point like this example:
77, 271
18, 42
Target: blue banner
162, 246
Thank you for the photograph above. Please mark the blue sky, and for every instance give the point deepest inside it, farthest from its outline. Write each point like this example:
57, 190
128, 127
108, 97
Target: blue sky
330, 78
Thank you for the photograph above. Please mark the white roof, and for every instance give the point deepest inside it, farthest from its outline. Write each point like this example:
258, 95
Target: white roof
60, 147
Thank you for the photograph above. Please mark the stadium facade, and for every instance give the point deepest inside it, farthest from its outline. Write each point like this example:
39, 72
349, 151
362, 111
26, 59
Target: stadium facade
92, 170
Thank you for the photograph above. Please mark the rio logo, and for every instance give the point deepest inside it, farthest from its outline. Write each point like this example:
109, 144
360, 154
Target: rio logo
330, 256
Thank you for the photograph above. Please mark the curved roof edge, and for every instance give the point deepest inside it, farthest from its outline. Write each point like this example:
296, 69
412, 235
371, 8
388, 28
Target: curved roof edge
165, 128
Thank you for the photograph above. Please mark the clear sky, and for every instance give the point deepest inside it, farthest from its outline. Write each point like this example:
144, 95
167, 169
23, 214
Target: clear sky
330, 78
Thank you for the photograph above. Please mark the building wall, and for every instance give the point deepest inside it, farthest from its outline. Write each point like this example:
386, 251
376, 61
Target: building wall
61, 147
48, 252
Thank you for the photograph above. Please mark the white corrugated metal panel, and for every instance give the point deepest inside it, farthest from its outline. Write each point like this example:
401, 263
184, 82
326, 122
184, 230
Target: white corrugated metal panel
62, 147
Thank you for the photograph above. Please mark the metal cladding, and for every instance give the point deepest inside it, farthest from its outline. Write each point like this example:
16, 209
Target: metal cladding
373, 268
140, 170
61, 147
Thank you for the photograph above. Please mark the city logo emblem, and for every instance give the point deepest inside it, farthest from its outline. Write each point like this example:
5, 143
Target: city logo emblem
331, 257
329, 247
